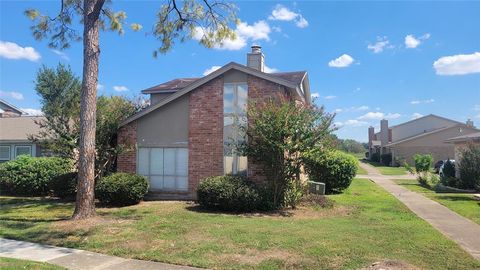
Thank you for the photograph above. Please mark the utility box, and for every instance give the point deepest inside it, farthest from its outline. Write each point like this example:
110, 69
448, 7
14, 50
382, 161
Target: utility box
316, 188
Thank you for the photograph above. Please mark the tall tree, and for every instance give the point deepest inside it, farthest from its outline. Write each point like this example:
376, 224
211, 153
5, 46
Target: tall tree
175, 20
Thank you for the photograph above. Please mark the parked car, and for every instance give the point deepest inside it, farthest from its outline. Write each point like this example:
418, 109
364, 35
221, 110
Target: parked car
437, 165
440, 171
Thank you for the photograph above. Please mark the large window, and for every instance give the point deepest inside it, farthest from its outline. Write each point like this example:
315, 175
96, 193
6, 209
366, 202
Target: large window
166, 168
4, 152
23, 150
234, 118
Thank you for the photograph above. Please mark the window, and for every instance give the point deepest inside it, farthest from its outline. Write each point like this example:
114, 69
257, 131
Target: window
235, 97
166, 168
23, 150
4, 152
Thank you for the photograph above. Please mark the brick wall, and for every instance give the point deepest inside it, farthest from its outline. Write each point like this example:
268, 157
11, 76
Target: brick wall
126, 161
205, 133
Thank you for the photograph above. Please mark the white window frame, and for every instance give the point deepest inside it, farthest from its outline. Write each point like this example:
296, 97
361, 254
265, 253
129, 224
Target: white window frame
18, 146
9, 153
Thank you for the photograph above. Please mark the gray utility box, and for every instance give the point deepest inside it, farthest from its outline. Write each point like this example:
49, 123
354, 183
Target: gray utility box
316, 188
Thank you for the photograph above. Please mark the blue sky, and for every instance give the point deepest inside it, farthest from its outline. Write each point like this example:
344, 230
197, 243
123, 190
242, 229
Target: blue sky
366, 60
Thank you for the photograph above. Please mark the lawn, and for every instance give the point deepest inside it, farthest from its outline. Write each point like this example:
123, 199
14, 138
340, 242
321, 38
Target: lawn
361, 170
386, 170
366, 225
463, 204
15, 264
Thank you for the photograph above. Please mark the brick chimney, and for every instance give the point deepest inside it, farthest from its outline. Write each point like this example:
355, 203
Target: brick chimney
256, 59
384, 133
371, 135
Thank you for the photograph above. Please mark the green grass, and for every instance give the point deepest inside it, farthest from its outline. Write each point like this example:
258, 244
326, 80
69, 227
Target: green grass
15, 264
361, 170
463, 204
386, 170
366, 225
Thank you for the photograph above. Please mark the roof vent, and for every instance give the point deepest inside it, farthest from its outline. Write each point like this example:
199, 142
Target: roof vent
256, 59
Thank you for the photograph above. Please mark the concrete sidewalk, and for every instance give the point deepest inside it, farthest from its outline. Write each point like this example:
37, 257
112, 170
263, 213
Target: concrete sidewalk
77, 259
463, 231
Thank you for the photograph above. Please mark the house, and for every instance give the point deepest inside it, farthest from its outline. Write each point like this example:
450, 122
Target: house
460, 142
15, 128
424, 135
185, 134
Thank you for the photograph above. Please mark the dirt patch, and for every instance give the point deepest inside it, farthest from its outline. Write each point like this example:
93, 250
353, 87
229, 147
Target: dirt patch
255, 257
390, 265
88, 224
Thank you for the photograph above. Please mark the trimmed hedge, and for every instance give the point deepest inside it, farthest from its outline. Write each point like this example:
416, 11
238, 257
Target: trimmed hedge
31, 176
336, 169
64, 185
120, 189
229, 193
386, 159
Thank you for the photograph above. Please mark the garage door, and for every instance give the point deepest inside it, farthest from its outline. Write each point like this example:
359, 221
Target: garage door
166, 168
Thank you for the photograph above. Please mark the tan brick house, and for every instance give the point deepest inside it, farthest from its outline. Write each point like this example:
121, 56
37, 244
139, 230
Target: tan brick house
182, 136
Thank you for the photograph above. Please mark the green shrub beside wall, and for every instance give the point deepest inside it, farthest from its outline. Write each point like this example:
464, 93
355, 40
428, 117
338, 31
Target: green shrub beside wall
31, 176
334, 168
121, 189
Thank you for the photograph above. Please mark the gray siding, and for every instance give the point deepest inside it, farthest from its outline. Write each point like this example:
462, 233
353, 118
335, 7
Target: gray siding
166, 126
155, 98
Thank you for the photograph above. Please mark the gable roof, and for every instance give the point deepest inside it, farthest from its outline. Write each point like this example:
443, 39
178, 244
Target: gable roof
426, 116
19, 128
5, 105
282, 79
295, 77
465, 138
429, 133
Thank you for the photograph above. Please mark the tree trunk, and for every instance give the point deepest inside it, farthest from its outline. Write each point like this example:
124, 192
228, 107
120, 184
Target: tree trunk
85, 204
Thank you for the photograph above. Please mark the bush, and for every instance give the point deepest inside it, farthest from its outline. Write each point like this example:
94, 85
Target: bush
334, 168
64, 185
449, 169
386, 159
32, 176
423, 163
121, 189
229, 193
469, 167
375, 157
428, 179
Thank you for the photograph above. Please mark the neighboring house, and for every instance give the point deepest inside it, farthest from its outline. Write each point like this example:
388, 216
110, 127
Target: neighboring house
460, 142
185, 133
424, 135
15, 127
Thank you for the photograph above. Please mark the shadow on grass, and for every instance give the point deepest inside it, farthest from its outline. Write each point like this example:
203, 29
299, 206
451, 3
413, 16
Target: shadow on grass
274, 213
458, 198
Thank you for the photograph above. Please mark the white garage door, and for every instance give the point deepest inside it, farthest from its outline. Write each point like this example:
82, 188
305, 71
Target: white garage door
166, 168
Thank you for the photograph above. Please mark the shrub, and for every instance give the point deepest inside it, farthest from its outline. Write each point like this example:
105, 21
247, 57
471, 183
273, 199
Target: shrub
423, 163
64, 185
469, 167
293, 194
449, 169
121, 189
229, 193
367, 154
428, 179
375, 157
386, 159
32, 176
334, 168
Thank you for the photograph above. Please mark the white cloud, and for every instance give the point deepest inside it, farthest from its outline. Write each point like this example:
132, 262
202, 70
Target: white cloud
100, 87
476, 108
315, 95
301, 22
258, 31
477, 116
31, 111
11, 94
381, 44
412, 42
330, 97
379, 116
416, 102
268, 69
244, 32
282, 13
344, 60
362, 108
459, 64
120, 88
277, 29
210, 70
416, 115
12, 50
339, 110
63, 55
351, 123
352, 109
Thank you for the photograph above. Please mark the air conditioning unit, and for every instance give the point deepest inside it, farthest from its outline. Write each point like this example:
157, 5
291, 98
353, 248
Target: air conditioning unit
316, 187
